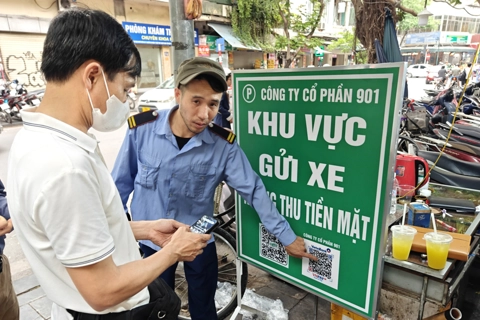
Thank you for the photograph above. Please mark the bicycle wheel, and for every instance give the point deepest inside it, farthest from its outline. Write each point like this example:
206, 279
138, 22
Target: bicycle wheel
227, 273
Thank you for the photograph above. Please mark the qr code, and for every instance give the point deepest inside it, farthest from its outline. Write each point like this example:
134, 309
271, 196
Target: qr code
322, 267
271, 248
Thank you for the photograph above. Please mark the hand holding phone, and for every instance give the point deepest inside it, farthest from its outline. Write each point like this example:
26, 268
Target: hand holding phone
204, 225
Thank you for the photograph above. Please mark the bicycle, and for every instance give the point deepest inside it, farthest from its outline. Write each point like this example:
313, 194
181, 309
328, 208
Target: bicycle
225, 243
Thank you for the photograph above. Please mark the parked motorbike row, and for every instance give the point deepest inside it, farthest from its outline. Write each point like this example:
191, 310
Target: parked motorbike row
436, 125
14, 97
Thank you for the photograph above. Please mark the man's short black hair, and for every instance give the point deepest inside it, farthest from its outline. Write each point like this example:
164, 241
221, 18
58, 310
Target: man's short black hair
228, 76
78, 35
469, 65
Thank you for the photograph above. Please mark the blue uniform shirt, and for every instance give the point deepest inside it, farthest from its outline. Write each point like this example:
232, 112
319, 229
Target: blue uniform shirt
178, 184
3, 212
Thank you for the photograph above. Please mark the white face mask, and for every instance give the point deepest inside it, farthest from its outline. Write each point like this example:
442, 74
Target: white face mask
114, 117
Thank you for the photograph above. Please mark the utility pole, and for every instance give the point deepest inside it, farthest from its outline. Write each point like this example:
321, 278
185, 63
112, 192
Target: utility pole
183, 39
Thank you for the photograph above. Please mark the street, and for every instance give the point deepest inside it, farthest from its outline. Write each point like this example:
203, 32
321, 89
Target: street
416, 88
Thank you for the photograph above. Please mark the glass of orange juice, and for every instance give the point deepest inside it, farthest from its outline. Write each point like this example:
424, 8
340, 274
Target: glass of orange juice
438, 245
402, 239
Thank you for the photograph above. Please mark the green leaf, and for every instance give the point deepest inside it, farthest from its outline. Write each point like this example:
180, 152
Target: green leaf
254, 21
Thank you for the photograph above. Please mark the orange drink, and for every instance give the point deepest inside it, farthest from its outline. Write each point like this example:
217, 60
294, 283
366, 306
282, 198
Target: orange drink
402, 239
438, 245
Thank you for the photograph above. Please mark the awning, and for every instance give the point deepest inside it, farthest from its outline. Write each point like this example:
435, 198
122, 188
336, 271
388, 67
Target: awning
226, 33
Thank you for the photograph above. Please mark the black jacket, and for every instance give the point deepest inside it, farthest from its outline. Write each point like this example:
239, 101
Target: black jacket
223, 109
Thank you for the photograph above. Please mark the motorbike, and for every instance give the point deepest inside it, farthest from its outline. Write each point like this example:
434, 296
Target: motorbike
16, 88
5, 111
33, 99
424, 130
452, 171
16, 104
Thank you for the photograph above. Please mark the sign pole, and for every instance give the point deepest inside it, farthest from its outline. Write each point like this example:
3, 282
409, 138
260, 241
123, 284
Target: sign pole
182, 35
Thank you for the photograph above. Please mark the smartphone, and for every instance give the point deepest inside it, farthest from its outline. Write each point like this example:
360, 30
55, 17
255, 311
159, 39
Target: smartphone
204, 225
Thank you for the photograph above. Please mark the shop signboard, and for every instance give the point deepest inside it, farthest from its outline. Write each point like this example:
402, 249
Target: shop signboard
457, 38
323, 142
212, 42
153, 34
422, 38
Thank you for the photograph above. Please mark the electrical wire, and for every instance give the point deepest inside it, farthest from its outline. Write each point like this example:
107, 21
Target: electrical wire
43, 7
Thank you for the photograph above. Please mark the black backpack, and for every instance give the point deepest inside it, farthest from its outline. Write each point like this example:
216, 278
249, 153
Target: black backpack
463, 76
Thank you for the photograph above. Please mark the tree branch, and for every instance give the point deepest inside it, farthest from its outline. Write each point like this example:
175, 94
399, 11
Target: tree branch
318, 18
285, 21
286, 26
399, 6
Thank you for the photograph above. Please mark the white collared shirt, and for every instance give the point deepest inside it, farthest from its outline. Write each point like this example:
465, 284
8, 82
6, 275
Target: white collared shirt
66, 209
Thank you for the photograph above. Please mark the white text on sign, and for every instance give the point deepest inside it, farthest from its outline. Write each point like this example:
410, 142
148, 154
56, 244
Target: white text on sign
335, 128
353, 225
314, 93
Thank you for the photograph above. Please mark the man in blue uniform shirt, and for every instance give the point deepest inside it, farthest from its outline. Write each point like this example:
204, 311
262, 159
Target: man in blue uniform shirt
173, 165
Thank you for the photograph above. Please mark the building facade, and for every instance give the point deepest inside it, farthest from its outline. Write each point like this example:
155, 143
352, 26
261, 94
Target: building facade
453, 41
24, 23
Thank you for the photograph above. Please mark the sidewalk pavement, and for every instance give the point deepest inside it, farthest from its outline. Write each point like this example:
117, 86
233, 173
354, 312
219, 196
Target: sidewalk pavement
34, 305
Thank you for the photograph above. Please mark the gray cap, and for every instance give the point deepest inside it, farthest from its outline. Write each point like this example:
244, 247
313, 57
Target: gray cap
193, 67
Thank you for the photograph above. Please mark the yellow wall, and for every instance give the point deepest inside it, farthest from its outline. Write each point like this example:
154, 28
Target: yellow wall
134, 11
31, 9
140, 12
147, 13
28, 8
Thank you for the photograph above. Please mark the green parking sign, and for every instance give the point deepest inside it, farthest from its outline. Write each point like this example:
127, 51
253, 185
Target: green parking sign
319, 51
323, 142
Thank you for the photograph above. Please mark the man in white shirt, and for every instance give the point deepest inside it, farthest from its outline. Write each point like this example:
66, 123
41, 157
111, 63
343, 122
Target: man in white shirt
65, 208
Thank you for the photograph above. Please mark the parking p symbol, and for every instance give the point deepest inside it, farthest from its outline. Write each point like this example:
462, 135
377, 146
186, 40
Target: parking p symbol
249, 93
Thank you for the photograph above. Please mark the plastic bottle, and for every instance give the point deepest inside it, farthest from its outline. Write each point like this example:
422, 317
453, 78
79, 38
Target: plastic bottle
393, 205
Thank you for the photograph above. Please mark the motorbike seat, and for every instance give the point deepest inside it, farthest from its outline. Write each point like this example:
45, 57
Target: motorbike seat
442, 133
452, 164
465, 147
468, 130
446, 177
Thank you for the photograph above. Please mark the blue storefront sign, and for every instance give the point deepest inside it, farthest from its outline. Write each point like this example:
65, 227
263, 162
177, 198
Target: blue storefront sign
423, 38
143, 33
